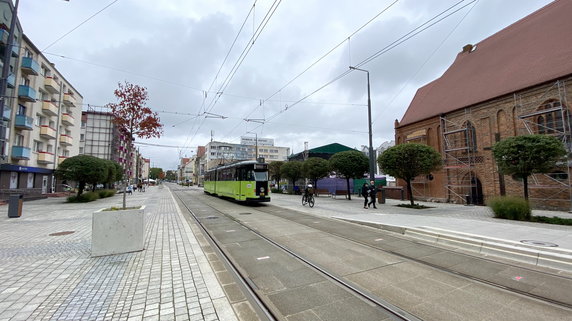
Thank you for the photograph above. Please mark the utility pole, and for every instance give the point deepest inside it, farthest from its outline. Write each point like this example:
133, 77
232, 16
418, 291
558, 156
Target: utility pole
4, 79
371, 156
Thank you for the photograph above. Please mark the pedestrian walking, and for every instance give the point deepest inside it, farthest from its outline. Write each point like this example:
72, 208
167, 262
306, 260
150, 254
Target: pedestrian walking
365, 193
372, 194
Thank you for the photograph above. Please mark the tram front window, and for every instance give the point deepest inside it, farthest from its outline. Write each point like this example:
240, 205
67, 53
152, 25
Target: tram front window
261, 176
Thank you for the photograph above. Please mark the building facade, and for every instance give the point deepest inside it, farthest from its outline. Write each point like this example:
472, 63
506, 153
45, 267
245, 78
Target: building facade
40, 121
506, 85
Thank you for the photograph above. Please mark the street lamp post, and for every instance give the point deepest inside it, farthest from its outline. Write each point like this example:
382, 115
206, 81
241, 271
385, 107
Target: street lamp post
371, 156
256, 142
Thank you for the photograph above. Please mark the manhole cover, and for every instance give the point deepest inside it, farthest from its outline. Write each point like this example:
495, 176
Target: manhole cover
539, 243
62, 233
244, 213
211, 217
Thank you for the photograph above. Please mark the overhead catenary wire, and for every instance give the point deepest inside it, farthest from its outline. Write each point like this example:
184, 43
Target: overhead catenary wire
239, 61
82, 23
424, 26
318, 60
426, 61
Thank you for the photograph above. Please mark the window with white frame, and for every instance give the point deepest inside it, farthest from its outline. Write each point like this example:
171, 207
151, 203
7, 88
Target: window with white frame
38, 146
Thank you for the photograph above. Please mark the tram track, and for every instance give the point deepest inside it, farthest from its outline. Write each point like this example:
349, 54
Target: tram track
398, 313
506, 287
394, 312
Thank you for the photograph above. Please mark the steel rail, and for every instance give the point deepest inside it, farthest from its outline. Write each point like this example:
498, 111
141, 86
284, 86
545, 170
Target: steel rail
386, 306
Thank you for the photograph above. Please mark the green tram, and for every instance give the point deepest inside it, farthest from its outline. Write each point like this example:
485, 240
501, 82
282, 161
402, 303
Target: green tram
245, 181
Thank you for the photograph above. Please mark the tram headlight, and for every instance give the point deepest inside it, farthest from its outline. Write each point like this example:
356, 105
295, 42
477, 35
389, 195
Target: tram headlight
262, 190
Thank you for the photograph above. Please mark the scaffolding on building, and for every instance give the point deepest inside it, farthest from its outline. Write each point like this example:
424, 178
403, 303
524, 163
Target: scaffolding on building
459, 149
550, 117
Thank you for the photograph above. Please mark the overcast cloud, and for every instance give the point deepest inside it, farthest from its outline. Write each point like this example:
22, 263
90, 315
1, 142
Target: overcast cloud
175, 48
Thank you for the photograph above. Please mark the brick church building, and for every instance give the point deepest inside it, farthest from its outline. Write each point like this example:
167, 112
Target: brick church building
515, 82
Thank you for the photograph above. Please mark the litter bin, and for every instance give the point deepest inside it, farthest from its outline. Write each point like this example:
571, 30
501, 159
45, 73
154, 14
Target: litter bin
15, 205
381, 196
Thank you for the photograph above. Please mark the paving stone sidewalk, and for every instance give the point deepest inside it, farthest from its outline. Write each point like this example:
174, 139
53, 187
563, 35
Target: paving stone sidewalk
53, 277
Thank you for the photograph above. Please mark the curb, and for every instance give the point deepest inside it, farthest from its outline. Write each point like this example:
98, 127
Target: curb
550, 257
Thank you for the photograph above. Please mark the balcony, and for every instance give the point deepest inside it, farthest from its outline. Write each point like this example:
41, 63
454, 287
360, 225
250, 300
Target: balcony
11, 81
66, 140
20, 152
24, 122
15, 50
45, 158
61, 159
30, 66
69, 100
7, 113
51, 85
47, 132
3, 37
68, 120
49, 108
26, 93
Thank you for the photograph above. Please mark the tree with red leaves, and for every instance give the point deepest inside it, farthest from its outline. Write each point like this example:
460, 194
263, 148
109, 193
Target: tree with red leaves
132, 115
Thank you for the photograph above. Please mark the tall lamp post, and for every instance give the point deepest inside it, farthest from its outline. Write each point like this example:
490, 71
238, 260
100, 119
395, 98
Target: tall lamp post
371, 156
256, 142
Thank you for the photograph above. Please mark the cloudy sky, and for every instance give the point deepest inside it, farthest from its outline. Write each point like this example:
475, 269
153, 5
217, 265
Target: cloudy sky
287, 71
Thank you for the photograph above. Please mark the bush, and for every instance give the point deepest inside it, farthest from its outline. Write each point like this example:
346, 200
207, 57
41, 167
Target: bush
276, 190
552, 220
106, 193
510, 208
84, 198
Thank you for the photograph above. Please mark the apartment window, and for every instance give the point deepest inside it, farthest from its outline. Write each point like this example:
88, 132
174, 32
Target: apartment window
52, 124
40, 120
81, 150
81, 137
25, 81
83, 124
38, 146
28, 53
19, 140
21, 110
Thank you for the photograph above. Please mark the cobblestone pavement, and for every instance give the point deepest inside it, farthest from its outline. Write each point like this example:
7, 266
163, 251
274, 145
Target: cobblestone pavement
46, 272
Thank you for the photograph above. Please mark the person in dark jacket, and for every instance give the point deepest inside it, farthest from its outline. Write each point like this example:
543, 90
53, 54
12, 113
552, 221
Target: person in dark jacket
372, 194
365, 193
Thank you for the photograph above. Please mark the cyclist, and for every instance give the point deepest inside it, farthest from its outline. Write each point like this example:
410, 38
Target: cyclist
308, 192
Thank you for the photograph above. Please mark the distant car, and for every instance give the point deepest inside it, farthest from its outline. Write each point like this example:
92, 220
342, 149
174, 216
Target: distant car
67, 188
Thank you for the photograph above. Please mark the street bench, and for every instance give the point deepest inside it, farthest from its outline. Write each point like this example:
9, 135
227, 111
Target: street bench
340, 192
322, 191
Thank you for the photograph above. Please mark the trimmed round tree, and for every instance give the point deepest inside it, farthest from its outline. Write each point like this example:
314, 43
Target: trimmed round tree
315, 168
274, 171
525, 155
349, 164
82, 169
406, 161
292, 170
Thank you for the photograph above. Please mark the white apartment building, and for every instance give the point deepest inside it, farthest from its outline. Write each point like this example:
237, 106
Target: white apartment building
41, 123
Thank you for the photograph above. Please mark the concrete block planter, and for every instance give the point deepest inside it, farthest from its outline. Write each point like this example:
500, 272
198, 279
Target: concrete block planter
117, 231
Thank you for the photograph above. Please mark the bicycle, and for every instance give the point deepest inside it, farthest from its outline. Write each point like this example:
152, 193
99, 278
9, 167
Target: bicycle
308, 199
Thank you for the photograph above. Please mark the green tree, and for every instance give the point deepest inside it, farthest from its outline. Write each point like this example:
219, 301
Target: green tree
315, 168
118, 172
155, 172
349, 164
171, 175
82, 169
111, 169
406, 161
292, 170
525, 155
274, 171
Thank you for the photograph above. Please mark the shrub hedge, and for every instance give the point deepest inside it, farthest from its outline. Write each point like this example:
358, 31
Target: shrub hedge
510, 207
106, 193
84, 198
